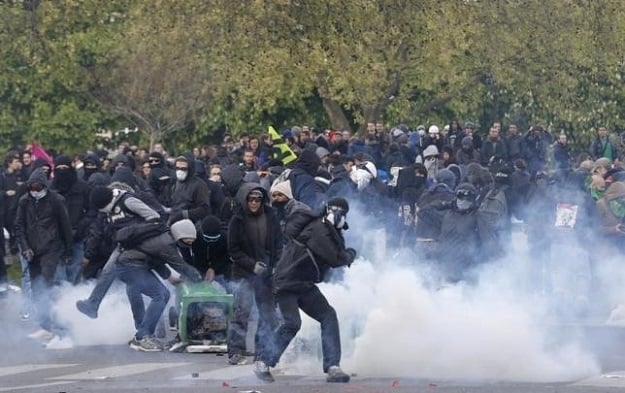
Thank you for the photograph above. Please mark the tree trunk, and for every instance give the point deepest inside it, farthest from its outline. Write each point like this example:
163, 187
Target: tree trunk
337, 117
372, 114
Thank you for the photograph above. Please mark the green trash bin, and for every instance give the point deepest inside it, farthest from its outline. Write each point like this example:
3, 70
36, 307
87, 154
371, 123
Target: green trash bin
204, 314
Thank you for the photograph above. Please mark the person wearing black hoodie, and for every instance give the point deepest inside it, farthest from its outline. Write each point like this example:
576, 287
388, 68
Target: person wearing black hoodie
44, 235
316, 246
76, 194
302, 178
255, 244
190, 196
91, 165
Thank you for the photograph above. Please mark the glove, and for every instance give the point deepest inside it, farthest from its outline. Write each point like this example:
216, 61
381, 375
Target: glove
260, 268
28, 254
351, 255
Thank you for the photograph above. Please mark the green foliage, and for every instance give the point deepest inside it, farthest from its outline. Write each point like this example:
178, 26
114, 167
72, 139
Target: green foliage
185, 71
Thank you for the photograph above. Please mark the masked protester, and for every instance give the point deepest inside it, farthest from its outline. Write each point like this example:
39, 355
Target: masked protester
76, 194
458, 241
255, 244
44, 236
190, 196
316, 248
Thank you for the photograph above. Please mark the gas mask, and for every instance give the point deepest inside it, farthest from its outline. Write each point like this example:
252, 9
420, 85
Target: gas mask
336, 217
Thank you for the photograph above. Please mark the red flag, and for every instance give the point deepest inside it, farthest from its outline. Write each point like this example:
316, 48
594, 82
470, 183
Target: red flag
38, 152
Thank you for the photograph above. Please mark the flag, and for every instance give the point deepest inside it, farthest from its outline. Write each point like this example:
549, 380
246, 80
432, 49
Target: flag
281, 151
38, 152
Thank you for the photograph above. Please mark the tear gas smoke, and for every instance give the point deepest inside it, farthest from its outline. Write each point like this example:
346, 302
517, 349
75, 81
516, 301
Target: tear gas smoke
113, 326
395, 323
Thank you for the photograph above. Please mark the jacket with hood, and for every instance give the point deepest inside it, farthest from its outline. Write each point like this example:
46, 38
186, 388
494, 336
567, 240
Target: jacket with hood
190, 198
76, 194
607, 210
231, 178
302, 178
43, 225
159, 251
243, 252
309, 254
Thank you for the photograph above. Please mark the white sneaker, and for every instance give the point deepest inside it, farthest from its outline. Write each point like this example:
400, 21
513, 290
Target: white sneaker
41, 334
59, 342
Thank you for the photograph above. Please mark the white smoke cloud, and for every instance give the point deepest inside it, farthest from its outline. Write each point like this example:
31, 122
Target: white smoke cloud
113, 326
395, 324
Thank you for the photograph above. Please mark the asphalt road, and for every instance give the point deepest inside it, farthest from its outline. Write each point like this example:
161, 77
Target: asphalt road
26, 366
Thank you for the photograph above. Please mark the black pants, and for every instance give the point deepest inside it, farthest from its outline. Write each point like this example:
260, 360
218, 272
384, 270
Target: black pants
316, 306
42, 270
246, 291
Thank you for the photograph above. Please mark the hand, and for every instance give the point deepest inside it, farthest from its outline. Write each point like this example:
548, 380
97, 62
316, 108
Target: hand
351, 254
260, 268
28, 254
175, 278
210, 275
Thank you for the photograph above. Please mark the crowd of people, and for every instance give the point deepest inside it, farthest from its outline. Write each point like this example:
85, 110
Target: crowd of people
263, 216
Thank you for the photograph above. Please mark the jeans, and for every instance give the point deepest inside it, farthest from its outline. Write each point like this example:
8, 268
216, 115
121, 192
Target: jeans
27, 303
70, 271
316, 306
141, 281
106, 279
247, 291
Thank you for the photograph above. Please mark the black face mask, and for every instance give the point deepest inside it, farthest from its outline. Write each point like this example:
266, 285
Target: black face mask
63, 179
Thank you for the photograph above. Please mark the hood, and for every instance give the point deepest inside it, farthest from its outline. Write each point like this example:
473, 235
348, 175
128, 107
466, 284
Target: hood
429, 151
615, 191
183, 229
120, 158
121, 186
161, 159
98, 179
92, 158
38, 176
309, 162
124, 175
245, 189
232, 177
190, 160
457, 171
200, 169
445, 176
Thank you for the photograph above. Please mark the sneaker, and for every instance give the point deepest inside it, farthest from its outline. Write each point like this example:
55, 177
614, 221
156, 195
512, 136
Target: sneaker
177, 346
335, 374
86, 308
41, 334
59, 342
237, 359
146, 344
262, 371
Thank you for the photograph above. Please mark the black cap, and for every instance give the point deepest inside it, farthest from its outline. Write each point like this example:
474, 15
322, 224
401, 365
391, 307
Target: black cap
339, 202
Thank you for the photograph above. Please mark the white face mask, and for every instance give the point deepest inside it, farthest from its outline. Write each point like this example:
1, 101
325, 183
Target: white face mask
38, 194
181, 175
464, 204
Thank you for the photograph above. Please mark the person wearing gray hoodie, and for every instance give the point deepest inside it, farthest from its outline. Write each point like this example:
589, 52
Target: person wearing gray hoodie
133, 268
